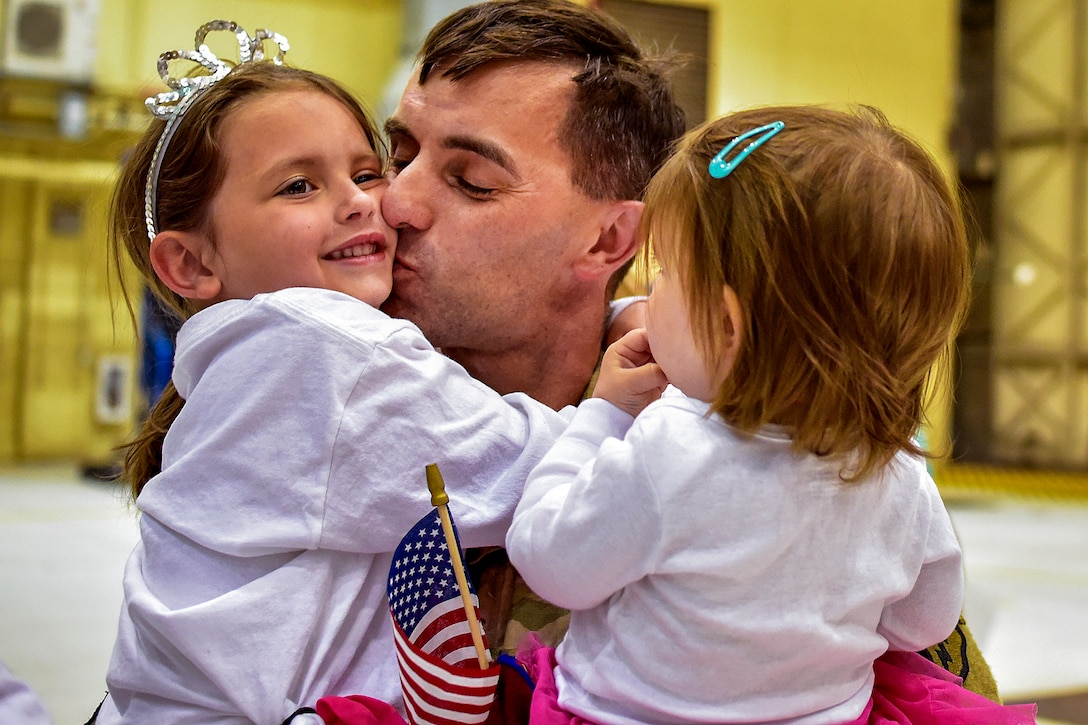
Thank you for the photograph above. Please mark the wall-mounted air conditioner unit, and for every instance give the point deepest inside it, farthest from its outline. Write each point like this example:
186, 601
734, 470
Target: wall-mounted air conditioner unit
51, 39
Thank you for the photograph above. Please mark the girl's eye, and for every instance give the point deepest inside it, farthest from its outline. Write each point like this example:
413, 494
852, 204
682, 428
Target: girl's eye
298, 186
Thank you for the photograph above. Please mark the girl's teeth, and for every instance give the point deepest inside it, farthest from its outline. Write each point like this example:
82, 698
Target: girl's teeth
361, 250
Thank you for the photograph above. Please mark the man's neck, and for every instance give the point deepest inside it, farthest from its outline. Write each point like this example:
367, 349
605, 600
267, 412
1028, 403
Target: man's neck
554, 368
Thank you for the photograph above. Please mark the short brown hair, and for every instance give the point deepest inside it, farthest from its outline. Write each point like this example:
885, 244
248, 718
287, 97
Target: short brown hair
847, 250
623, 118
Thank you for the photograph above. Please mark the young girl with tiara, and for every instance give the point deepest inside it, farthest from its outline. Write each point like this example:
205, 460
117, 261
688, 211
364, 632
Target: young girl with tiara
281, 468
764, 543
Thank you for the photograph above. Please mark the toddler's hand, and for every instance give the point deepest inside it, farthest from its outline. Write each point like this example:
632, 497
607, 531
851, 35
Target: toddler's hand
629, 378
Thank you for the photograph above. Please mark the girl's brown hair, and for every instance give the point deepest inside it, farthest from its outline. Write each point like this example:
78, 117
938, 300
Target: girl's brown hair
848, 253
191, 174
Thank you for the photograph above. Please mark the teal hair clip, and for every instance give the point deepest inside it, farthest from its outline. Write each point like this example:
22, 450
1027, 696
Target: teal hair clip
720, 168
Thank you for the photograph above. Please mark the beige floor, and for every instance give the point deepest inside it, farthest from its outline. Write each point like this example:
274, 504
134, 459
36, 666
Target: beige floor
64, 540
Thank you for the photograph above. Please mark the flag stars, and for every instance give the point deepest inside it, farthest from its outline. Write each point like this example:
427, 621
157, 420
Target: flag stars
420, 575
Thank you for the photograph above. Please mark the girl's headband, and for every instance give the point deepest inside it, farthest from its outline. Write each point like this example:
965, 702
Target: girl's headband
172, 105
720, 167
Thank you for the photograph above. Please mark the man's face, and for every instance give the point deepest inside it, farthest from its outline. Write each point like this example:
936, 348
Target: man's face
481, 194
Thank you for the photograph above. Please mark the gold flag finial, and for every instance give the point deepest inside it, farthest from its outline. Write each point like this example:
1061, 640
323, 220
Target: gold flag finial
436, 485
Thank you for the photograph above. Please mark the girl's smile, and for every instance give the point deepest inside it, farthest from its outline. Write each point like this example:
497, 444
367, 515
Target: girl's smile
359, 248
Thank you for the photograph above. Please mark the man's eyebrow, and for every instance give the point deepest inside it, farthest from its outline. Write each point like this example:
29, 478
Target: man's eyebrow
396, 127
486, 149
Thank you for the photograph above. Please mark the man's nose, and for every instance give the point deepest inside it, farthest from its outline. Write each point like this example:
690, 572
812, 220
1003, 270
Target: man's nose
406, 203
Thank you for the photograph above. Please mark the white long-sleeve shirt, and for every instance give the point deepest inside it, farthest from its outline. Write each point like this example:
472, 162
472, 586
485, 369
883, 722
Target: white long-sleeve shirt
718, 577
18, 703
289, 477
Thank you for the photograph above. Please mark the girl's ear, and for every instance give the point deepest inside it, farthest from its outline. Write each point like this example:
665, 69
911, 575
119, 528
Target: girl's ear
178, 260
734, 325
616, 242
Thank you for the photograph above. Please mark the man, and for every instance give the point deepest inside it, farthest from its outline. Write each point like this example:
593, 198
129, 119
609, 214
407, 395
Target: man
519, 152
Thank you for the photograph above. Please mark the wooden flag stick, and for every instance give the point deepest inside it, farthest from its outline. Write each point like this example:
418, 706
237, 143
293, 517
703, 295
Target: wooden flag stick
439, 499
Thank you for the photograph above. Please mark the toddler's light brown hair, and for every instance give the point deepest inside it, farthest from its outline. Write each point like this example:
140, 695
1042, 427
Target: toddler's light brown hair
847, 250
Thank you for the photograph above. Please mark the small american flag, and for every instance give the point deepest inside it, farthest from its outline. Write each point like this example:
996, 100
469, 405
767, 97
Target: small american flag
439, 669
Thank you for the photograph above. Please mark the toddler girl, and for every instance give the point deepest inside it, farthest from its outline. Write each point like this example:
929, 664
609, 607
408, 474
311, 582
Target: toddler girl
748, 547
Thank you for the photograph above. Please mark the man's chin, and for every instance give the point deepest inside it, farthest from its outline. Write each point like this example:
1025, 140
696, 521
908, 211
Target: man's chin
393, 306
398, 306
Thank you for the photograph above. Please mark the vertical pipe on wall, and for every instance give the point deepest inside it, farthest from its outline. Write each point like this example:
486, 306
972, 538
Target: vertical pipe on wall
973, 143
1075, 142
21, 367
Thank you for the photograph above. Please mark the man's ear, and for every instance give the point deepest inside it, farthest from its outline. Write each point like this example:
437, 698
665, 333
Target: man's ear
616, 242
178, 260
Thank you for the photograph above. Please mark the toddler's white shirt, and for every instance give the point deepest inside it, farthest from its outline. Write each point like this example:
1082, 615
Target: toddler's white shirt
719, 577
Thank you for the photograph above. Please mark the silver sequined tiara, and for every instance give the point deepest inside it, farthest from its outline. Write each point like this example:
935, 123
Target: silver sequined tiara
172, 105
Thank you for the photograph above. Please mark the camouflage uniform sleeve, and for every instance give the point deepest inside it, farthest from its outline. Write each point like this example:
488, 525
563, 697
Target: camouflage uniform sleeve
509, 609
960, 655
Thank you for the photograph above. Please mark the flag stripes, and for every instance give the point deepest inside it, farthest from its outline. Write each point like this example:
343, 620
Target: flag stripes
436, 693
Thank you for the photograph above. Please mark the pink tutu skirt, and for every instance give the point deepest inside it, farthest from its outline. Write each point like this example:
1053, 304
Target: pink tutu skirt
908, 690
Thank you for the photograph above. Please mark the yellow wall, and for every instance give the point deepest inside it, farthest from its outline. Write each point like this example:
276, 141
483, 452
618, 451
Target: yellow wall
56, 324
898, 56
61, 320
354, 41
